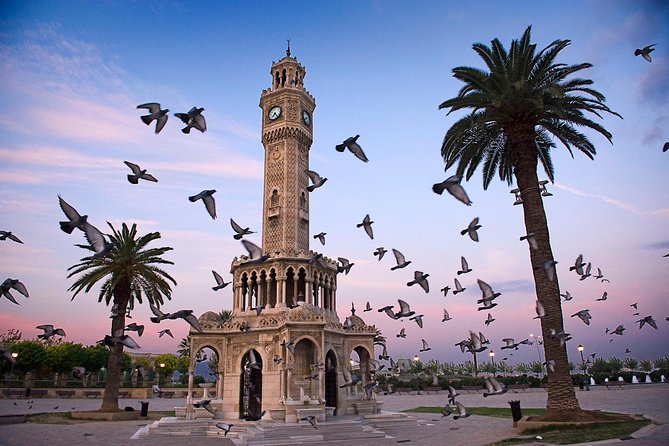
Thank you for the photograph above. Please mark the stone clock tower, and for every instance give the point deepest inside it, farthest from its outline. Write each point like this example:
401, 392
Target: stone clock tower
287, 136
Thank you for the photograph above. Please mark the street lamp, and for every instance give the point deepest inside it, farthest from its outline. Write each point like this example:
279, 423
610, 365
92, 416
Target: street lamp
162, 369
416, 358
580, 349
11, 372
492, 359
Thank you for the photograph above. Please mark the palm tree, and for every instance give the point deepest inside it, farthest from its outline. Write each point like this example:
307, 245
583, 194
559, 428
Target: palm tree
516, 109
127, 272
225, 316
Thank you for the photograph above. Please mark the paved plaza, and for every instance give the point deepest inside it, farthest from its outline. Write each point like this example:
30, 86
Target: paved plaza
647, 399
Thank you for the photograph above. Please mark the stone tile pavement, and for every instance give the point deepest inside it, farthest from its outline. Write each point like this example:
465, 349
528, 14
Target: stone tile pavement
648, 399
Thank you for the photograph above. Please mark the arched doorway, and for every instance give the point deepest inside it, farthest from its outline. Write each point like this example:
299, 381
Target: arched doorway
331, 387
306, 369
250, 385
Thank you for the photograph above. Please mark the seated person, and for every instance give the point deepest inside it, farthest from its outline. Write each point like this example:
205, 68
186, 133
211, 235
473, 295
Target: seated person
156, 389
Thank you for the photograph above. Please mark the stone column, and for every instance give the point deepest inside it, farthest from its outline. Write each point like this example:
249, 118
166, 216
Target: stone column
308, 291
281, 292
289, 379
219, 382
189, 398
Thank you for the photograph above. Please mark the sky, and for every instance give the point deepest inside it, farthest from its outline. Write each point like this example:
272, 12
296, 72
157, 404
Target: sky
73, 73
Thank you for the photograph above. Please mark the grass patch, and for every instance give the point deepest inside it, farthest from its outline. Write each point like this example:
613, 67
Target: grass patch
572, 433
499, 412
66, 417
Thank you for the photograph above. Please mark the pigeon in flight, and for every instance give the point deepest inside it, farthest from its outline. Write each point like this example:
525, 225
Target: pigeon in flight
316, 180
224, 427
205, 404
471, 229
15, 284
635, 305
531, 239
462, 412
584, 315
388, 309
167, 332
75, 220
587, 273
405, 310
560, 336
134, 327
220, 283
289, 346
402, 333
186, 315
418, 319
96, 240
4, 235
452, 394
486, 290
138, 174
604, 297
368, 307
465, 266
447, 317
647, 320
399, 258
380, 251
155, 113
345, 265
458, 287
239, 231
567, 296
618, 331
510, 343
321, 237
426, 347
352, 145
193, 119
664, 149
49, 331
578, 265
350, 380
207, 197
452, 185
476, 343
311, 420
489, 320
445, 290
255, 252
539, 309
420, 279
79, 372
493, 386
645, 52
120, 338
549, 268
367, 224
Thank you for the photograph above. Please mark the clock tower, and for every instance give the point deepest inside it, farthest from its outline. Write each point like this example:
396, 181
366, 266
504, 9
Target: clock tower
287, 134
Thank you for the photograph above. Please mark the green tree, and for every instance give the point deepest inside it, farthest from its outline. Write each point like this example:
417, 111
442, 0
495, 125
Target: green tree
225, 316
95, 357
646, 366
184, 347
169, 364
32, 356
62, 358
522, 368
631, 363
615, 364
517, 107
127, 272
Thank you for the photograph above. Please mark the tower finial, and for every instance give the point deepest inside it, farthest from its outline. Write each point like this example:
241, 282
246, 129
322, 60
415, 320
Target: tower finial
288, 49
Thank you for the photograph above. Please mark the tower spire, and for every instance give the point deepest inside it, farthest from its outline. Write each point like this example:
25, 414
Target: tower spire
288, 49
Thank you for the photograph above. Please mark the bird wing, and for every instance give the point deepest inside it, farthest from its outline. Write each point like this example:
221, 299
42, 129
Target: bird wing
20, 287
425, 344
69, 211
210, 204
153, 107
217, 277
399, 257
235, 227
128, 342
455, 189
355, 148
199, 122
48, 328
313, 176
192, 320
254, 250
156, 311
404, 307
134, 167
464, 264
94, 237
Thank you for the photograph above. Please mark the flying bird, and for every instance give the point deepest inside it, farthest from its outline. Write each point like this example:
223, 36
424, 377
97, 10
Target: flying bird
604, 297
9, 284
186, 315
352, 145
647, 320
560, 336
311, 420
539, 309
74, 219
510, 343
321, 237
458, 287
471, 229
49, 331
134, 327
367, 224
224, 427
645, 52
205, 404
420, 279
165, 332
220, 283
618, 331
489, 320
345, 265
452, 185
578, 265
567, 296
493, 386
486, 290
584, 315
368, 307
587, 273
465, 266
380, 251
405, 310
447, 317
664, 149
120, 338
138, 174
402, 333
207, 197
79, 372
255, 252
549, 268
193, 119
155, 113
426, 347
316, 180
418, 319
4, 235
96, 240
462, 412
289, 346
399, 258
239, 231
445, 290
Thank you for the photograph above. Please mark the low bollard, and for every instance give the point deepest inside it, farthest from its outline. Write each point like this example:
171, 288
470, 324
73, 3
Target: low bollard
145, 408
516, 414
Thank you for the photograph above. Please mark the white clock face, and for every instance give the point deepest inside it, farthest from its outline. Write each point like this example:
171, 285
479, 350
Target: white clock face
274, 112
306, 117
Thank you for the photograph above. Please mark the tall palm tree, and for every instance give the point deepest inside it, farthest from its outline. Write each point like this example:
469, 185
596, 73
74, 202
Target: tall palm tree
517, 108
127, 272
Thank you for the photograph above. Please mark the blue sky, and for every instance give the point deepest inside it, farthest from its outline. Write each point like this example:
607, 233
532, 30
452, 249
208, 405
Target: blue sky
73, 73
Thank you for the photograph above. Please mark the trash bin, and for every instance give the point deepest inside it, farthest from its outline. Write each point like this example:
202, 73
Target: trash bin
581, 385
515, 411
145, 408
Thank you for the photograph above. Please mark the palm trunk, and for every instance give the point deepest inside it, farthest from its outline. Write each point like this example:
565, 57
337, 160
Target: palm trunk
113, 380
562, 400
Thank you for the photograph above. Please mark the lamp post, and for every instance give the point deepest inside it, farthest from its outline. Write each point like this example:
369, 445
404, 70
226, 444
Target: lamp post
492, 359
162, 369
580, 349
11, 372
538, 341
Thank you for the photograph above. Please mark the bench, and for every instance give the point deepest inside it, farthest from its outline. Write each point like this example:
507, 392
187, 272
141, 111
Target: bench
92, 393
39, 393
522, 387
435, 389
124, 394
401, 390
13, 392
65, 393
614, 384
168, 394
471, 388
